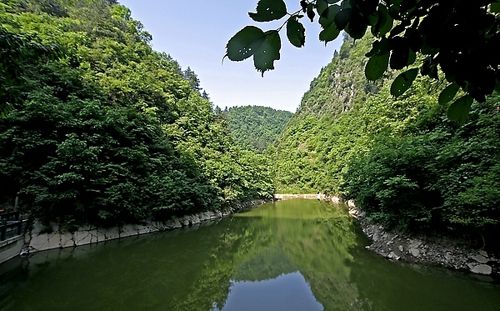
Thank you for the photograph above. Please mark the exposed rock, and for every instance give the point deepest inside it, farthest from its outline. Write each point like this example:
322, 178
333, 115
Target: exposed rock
481, 269
82, 238
53, 240
204, 216
434, 250
177, 224
144, 230
415, 252
393, 255
35, 240
448, 256
128, 230
415, 243
480, 258
483, 253
67, 240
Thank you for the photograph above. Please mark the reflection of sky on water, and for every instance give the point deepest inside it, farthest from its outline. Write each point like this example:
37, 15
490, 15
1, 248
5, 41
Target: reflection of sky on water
290, 255
286, 292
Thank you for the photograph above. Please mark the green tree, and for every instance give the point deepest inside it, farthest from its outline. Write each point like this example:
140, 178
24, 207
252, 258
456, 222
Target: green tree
99, 128
256, 127
191, 76
400, 159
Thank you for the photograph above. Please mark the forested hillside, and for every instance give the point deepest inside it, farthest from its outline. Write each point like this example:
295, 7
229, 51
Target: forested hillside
401, 159
96, 127
256, 127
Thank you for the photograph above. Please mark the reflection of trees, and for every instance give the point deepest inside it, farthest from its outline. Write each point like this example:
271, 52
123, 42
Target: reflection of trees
193, 269
397, 286
306, 236
318, 241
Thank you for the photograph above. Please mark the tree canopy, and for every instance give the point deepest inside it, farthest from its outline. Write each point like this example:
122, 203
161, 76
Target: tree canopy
459, 38
402, 161
256, 127
99, 128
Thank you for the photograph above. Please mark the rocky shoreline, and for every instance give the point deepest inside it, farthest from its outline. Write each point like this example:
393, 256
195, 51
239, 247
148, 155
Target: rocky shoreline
36, 240
392, 245
427, 250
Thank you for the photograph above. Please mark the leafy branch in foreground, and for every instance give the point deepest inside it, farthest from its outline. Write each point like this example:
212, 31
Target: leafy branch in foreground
461, 38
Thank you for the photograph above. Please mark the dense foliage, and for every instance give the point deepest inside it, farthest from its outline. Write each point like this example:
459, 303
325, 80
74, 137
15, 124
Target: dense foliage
401, 159
97, 127
461, 38
256, 127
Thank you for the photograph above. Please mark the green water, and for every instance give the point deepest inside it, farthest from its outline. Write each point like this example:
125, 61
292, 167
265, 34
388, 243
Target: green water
292, 255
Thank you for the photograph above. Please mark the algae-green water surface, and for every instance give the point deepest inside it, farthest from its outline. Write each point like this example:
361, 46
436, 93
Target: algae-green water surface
289, 255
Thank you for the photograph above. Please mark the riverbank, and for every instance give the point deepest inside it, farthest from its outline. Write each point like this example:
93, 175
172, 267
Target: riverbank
396, 245
422, 249
37, 239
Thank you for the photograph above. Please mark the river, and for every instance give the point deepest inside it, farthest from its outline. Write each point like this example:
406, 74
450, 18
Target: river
289, 255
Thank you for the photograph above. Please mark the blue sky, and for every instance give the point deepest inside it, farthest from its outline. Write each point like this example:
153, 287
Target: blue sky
195, 33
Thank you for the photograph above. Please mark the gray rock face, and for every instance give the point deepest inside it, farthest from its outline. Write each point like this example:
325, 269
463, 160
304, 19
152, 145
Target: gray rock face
481, 269
195, 219
480, 258
35, 240
428, 249
448, 256
176, 224
415, 252
67, 240
415, 243
393, 255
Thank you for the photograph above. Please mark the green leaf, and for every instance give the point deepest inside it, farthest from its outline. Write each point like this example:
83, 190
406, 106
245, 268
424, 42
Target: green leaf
379, 47
384, 22
403, 82
412, 57
343, 17
328, 16
346, 4
356, 28
329, 34
401, 57
310, 12
448, 94
376, 66
495, 7
459, 109
296, 33
243, 44
269, 10
267, 52
321, 6
373, 19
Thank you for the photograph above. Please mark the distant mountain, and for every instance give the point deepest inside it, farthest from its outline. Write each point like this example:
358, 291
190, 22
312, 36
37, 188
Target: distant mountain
256, 127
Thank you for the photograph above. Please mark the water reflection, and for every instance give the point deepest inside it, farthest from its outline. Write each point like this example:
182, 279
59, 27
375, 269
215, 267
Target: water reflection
285, 292
294, 254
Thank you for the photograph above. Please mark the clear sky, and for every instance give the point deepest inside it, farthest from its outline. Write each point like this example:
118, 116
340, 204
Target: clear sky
195, 33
